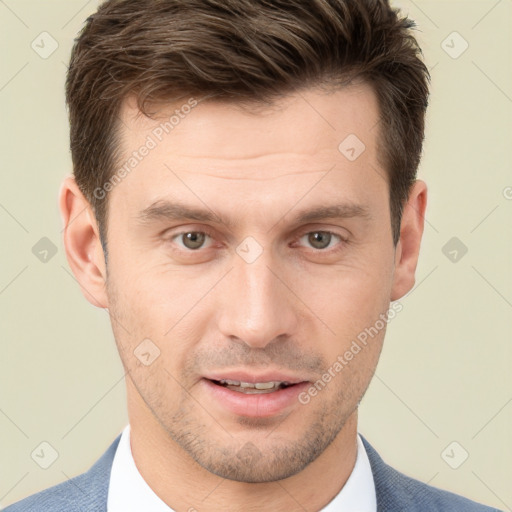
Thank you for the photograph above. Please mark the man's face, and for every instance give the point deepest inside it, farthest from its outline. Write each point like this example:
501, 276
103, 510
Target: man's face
255, 294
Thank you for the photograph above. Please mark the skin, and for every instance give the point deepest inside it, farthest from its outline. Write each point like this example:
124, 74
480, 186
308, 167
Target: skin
295, 309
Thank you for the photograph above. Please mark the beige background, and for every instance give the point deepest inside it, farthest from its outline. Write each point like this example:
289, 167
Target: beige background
445, 372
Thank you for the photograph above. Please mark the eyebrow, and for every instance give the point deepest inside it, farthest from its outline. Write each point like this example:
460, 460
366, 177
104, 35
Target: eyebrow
175, 211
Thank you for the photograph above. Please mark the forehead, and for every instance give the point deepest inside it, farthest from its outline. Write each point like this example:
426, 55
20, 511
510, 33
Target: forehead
302, 123
241, 153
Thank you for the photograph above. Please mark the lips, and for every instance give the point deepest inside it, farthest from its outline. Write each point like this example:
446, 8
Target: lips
253, 395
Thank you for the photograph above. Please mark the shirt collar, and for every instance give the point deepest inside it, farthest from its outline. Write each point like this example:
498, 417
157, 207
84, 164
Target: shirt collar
358, 494
128, 491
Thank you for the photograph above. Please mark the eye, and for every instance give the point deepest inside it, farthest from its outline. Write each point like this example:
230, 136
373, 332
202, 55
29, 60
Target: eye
191, 240
321, 240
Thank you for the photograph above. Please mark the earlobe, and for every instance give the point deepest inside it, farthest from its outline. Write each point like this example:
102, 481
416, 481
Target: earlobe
82, 243
408, 247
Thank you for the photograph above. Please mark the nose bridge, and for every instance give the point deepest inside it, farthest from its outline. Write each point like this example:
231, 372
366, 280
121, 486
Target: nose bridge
257, 307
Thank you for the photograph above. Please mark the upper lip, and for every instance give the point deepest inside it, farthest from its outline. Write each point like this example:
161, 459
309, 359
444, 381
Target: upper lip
253, 378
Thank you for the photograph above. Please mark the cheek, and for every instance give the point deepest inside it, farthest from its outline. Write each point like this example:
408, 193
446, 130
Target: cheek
157, 316
347, 300
149, 300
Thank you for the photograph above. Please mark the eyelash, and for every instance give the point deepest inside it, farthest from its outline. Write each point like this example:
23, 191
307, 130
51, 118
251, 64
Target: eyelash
343, 241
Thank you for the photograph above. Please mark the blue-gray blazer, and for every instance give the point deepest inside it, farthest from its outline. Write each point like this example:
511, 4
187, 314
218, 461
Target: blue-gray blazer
396, 492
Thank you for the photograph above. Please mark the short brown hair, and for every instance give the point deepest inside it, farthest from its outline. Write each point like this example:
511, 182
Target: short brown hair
245, 51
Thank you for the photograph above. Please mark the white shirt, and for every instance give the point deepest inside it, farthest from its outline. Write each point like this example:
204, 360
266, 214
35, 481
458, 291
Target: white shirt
129, 492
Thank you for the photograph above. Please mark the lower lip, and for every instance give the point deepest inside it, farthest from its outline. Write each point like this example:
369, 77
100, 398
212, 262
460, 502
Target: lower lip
255, 405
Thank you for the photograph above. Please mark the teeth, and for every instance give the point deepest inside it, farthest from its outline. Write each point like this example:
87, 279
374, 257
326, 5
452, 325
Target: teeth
266, 385
230, 382
250, 385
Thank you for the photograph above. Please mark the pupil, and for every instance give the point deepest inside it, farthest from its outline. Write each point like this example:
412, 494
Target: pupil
194, 240
320, 239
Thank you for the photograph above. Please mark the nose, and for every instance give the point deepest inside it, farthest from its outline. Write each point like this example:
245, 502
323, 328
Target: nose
257, 306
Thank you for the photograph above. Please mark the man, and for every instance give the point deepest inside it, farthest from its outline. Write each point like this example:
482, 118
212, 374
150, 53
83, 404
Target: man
245, 205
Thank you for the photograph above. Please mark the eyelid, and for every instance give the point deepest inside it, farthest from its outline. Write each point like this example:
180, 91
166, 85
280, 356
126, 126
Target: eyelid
323, 229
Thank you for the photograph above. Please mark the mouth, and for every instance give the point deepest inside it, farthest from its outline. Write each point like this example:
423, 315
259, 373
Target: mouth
251, 388
250, 395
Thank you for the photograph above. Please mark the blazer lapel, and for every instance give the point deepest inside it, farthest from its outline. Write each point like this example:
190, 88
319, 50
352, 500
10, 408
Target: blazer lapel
391, 486
91, 488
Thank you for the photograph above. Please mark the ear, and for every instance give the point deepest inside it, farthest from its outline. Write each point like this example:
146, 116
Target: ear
408, 247
82, 243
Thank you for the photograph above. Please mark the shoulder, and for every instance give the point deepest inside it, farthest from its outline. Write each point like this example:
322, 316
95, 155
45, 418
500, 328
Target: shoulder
397, 492
87, 491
